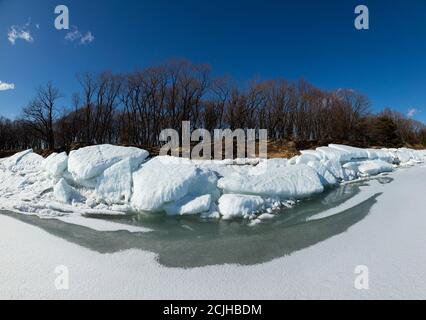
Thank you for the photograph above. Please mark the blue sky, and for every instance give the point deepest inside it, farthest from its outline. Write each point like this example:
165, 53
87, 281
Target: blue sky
314, 40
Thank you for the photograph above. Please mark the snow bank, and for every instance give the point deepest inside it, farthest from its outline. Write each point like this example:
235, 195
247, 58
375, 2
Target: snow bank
12, 161
116, 180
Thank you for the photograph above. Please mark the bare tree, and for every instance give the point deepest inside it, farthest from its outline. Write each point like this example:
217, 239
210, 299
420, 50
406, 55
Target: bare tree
40, 114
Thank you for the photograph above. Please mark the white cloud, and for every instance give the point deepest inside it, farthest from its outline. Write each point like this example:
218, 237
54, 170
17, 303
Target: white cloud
87, 38
412, 112
20, 32
73, 35
76, 36
4, 86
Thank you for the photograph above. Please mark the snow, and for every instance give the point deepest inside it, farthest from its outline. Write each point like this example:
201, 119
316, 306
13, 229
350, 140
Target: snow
102, 225
11, 162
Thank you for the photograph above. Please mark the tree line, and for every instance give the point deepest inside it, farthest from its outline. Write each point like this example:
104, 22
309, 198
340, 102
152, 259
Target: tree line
133, 108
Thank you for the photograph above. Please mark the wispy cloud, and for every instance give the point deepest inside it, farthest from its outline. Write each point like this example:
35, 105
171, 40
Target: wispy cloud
412, 112
4, 86
76, 36
20, 33
87, 38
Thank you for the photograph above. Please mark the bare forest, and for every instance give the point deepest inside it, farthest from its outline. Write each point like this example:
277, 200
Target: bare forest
132, 109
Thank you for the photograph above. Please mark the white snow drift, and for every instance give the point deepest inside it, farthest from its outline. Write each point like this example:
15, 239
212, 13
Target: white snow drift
116, 180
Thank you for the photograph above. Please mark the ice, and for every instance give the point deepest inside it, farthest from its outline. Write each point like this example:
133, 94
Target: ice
161, 181
63, 192
115, 183
305, 158
56, 164
106, 179
318, 155
296, 181
380, 154
354, 153
335, 154
266, 216
335, 168
403, 156
375, 167
189, 206
90, 162
327, 178
237, 205
351, 171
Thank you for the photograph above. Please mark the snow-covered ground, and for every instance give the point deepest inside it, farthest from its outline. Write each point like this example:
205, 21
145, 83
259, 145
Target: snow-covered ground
389, 241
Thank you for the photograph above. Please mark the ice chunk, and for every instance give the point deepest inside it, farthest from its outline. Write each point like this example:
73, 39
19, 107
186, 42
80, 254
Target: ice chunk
353, 152
189, 206
206, 183
87, 163
115, 183
63, 192
297, 181
335, 168
236, 205
374, 167
263, 166
335, 154
55, 164
160, 181
306, 158
351, 171
327, 178
314, 153
266, 216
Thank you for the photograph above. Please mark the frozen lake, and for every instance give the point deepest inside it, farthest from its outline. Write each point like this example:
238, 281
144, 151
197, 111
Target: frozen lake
308, 252
193, 242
